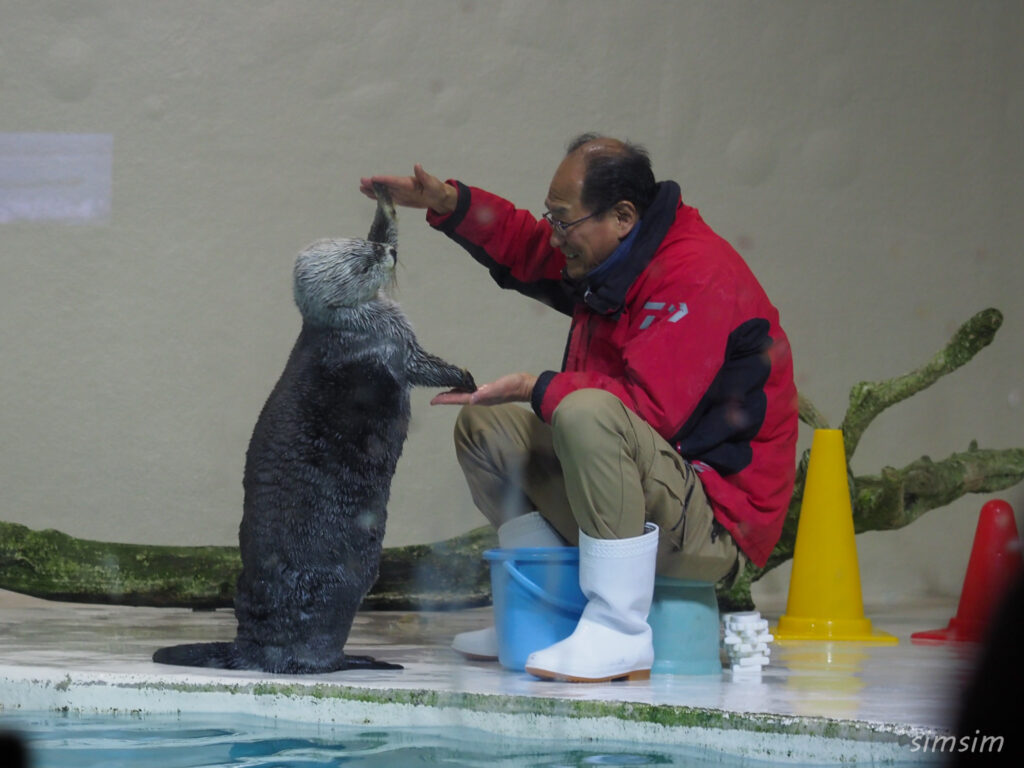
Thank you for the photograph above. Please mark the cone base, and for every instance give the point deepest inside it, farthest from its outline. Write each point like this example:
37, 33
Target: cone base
955, 632
846, 630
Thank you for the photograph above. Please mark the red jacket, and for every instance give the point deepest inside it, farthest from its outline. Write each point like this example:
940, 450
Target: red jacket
680, 330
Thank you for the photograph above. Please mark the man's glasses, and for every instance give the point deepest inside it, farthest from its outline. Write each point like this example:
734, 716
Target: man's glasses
561, 227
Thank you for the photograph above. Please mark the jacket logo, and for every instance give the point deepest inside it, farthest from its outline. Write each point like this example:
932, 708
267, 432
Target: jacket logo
675, 313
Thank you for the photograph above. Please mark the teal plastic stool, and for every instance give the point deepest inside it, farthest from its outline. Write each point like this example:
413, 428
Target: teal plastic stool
684, 621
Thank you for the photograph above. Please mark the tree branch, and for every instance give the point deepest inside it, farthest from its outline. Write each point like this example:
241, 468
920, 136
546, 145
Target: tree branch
55, 566
868, 399
810, 415
897, 497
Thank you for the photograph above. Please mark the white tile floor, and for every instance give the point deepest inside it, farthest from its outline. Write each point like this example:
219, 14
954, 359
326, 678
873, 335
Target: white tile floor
816, 701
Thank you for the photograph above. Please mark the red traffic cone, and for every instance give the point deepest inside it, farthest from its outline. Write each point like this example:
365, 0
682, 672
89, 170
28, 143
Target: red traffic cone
995, 560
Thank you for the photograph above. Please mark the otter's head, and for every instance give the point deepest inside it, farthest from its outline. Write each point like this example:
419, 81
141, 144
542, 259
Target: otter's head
336, 275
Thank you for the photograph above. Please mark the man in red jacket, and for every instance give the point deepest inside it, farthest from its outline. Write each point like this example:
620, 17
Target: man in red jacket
666, 443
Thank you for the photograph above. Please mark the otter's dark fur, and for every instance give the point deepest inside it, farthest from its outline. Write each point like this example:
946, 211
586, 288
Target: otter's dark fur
319, 465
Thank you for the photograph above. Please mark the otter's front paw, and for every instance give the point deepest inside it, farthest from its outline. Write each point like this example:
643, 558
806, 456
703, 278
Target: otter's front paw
466, 383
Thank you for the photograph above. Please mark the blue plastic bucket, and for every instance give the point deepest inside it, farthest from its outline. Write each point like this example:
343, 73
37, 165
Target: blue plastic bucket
537, 599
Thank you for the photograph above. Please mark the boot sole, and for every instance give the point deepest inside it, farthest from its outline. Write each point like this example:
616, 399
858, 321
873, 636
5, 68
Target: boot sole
636, 674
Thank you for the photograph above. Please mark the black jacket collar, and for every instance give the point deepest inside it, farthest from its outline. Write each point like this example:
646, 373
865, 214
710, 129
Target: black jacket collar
606, 295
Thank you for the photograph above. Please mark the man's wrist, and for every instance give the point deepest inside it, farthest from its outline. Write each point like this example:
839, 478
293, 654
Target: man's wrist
529, 382
449, 201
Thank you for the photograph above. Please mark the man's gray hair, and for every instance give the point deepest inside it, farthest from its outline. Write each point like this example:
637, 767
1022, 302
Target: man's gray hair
615, 173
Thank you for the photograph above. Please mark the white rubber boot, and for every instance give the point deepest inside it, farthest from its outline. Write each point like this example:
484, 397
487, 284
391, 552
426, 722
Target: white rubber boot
529, 530
613, 638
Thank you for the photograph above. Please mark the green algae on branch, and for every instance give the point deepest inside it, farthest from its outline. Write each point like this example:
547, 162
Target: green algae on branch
56, 566
897, 497
446, 574
868, 399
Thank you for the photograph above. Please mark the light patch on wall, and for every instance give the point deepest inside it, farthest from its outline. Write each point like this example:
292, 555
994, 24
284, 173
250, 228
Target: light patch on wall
56, 177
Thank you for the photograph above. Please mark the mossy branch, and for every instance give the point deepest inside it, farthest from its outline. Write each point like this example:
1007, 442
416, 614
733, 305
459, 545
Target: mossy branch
810, 415
56, 566
868, 399
897, 497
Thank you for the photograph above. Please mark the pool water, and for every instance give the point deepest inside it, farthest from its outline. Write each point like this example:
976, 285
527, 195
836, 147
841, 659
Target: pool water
55, 740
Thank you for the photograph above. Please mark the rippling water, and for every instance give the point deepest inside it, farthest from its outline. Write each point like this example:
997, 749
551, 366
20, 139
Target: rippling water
194, 741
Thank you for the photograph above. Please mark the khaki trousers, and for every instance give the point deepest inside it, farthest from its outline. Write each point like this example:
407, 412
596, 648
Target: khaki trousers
598, 468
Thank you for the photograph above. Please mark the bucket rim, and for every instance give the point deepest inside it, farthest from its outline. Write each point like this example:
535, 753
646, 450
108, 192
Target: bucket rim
533, 553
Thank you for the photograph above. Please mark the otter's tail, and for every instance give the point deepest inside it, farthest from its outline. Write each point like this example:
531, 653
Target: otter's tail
368, 662
220, 655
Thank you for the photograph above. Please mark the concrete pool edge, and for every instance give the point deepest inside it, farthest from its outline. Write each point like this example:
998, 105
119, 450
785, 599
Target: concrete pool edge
751, 735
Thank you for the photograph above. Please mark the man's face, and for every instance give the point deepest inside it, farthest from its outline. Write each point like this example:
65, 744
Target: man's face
588, 243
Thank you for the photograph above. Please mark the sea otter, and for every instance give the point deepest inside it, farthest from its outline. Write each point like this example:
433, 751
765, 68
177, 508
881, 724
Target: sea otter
319, 465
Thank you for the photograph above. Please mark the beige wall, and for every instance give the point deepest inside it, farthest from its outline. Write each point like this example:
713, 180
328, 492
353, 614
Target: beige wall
865, 157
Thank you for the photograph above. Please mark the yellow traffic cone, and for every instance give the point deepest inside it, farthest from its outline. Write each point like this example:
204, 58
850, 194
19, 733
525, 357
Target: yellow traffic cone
825, 601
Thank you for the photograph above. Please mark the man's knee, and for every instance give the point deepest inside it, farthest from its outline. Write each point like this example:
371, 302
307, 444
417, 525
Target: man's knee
587, 415
490, 430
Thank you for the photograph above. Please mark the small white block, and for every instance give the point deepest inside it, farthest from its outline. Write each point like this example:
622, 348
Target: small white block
750, 626
753, 661
748, 649
740, 617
